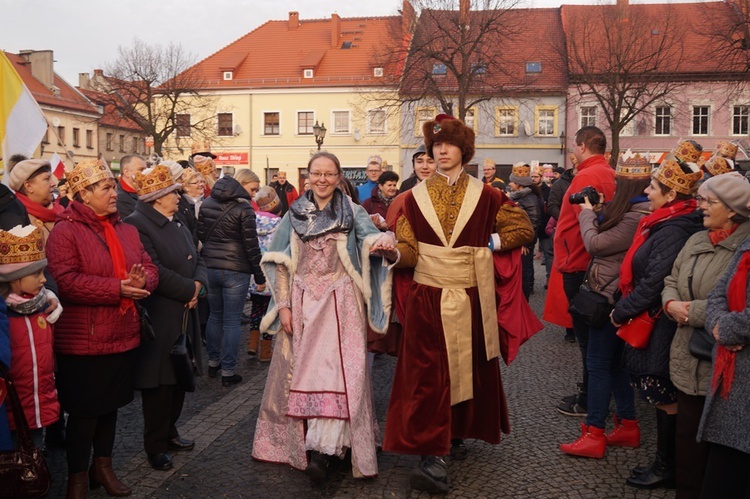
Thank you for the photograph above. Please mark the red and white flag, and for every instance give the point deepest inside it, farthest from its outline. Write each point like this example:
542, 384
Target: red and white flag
58, 167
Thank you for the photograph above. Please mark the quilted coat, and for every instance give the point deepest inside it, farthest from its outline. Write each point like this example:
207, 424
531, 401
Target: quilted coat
79, 260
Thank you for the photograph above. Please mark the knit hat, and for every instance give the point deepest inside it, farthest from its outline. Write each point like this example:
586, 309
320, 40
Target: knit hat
732, 190
88, 172
521, 174
633, 165
420, 150
21, 252
267, 199
175, 169
722, 160
204, 165
446, 128
153, 183
670, 173
21, 171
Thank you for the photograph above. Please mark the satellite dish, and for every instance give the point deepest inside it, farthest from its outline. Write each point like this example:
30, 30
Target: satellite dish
55, 121
356, 133
527, 128
237, 130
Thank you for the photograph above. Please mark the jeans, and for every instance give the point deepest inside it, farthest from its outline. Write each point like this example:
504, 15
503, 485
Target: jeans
227, 291
546, 247
572, 284
527, 273
607, 377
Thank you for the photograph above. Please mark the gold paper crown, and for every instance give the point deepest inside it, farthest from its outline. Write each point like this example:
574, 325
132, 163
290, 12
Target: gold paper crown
87, 172
204, 167
726, 149
157, 179
722, 160
21, 249
686, 152
632, 165
489, 162
521, 170
188, 174
199, 147
670, 174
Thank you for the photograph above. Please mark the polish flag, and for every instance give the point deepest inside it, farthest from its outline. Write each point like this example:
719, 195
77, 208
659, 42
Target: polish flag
58, 167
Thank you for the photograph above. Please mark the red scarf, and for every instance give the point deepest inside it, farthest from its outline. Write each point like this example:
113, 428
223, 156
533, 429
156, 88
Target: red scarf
718, 235
671, 210
736, 301
118, 258
39, 211
125, 187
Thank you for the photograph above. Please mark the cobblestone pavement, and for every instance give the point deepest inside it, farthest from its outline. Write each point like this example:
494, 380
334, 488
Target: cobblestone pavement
526, 464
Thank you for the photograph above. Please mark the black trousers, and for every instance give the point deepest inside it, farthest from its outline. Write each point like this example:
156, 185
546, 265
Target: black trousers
727, 473
691, 455
571, 285
83, 433
162, 407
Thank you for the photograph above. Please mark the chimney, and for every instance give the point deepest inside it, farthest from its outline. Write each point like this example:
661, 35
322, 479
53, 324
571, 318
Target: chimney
98, 72
464, 8
41, 63
293, 20
335, 30
623, 10
83, 81
408, 17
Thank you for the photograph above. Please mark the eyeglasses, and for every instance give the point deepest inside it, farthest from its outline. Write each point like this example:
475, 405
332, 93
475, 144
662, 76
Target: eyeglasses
700, 200
327, 176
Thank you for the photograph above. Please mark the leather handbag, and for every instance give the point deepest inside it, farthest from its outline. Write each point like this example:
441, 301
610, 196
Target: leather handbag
148, 334
590, 306
183, 361
701, 344
23, 472
637, 331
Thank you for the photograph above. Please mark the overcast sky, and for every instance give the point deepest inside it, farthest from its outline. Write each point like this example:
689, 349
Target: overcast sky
85, 34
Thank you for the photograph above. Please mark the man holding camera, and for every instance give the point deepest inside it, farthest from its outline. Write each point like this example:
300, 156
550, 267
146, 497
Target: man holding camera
571, 257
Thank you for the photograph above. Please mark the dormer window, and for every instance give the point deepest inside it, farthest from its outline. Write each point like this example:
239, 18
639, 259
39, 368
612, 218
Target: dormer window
308, 73
377, 72
439, 69
533, 67
228, 75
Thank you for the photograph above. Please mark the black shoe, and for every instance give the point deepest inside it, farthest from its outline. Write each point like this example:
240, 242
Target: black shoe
161, 461
570, 337
245, 320
660, 475
317, 468
572, 409
54, 437
230, 380
430, 476
458, 450
180, 444
569, 399
213, 371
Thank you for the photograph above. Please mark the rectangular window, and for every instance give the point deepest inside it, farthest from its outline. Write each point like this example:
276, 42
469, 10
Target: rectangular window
270, 123
340, 122
700, 120
740, 120
61, 136
135, 145
629, 128
424, 114
471, 119
305, 122
545, 126
45, 140
663, 124
533, 67
122, 143
109, 142
226, 127
506, 122
376, 121
588, 116
182, 122
439, 69
76, 137
89, 139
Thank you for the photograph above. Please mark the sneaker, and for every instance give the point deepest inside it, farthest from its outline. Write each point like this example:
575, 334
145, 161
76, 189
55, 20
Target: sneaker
213, 371
570, 399
231, 380
627, 433
572, 409
459, 452
591, 443
430, 476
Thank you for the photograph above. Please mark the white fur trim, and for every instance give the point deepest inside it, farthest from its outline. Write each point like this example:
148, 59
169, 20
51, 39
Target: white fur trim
385, 288
497, 244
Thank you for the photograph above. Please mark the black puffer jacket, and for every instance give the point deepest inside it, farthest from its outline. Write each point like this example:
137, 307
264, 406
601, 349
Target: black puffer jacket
557, 193
12, 211
233, 243
652, 263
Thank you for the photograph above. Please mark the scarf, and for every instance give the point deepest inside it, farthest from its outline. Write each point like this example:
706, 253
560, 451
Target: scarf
27, 304
309, 222
118, 258
736, 301
666, 212
718, 235
385, 200
125, 187
46, 215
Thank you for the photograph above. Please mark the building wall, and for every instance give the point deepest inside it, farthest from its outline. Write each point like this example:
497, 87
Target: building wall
111, 150
68, 121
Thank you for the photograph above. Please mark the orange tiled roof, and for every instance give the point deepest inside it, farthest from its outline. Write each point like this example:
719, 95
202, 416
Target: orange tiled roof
111, 117
69, 98
275, 54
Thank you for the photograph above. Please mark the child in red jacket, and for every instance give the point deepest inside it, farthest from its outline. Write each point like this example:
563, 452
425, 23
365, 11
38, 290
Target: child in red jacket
22, 263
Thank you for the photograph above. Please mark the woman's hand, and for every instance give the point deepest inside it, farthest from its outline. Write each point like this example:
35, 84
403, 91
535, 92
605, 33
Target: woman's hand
137, 276
612, 320
260, 287
731, 348
285, 317
524, 250
385, 246
132, 292
679, 311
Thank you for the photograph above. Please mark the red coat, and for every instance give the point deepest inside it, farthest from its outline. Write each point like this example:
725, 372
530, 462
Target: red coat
32, 369
79, 260
570, 253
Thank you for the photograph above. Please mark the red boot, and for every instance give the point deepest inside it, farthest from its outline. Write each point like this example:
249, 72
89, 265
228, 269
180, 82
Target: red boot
591, 443
626, 433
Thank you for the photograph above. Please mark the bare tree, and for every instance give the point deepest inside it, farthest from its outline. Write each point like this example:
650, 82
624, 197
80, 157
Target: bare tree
626, 58
153, 86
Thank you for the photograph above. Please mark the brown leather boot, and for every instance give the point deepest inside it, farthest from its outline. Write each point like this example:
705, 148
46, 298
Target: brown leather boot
252, 342
78, 487
101, 473
266, 350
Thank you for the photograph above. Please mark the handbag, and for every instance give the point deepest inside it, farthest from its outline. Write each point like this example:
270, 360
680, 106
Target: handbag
23, 472
182, 358
590, 306
701, 341
147, 329
637, 331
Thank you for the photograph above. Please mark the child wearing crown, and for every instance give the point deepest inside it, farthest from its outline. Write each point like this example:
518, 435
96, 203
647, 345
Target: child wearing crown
22, 263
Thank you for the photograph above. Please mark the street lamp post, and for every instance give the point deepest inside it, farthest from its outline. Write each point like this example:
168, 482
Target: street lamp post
320, 133
562, 143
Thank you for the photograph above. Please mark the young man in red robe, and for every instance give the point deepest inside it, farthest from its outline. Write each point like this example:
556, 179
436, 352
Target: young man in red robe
447, 385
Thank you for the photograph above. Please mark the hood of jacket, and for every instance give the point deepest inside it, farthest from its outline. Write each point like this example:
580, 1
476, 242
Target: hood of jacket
227, 188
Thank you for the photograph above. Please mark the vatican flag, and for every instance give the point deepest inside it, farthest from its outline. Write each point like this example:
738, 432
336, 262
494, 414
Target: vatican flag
22, 123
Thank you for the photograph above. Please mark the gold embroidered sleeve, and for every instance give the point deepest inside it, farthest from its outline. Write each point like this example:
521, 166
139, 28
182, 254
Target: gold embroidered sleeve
513, 226
283, 300
407, 244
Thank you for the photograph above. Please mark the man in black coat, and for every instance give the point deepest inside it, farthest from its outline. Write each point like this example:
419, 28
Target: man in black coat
126, 196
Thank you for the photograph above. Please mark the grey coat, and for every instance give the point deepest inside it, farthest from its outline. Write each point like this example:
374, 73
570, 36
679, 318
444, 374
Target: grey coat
609, 247
170, 246
706, 263
725, 422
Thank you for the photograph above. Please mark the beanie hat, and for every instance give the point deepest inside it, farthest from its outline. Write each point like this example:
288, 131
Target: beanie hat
521, 174
420, 150
175, 169
446, 128
21, 252
732, 190
267, 199
21, 171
